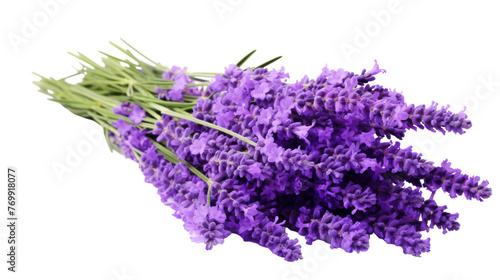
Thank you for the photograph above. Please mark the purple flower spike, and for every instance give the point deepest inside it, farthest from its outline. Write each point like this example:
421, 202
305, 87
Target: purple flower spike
206, 225
325, 164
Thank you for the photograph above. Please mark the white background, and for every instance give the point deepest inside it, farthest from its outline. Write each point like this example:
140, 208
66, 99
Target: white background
101, 221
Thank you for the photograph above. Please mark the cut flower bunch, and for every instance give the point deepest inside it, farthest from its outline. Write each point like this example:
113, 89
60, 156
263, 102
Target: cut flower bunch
246, 152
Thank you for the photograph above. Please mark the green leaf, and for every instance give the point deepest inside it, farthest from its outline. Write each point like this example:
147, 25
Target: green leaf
130, 90
245, 58
138, 52
267, 62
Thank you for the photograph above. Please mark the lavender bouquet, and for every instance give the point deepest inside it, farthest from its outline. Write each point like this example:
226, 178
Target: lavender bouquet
245, 152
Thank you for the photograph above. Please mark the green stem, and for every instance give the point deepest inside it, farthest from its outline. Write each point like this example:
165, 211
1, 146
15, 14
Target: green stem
203, 74
168, 104
98, 119
136, 154
204, 123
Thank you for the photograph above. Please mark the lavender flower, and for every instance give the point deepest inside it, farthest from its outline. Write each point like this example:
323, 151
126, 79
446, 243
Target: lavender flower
135, 113
254, 155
